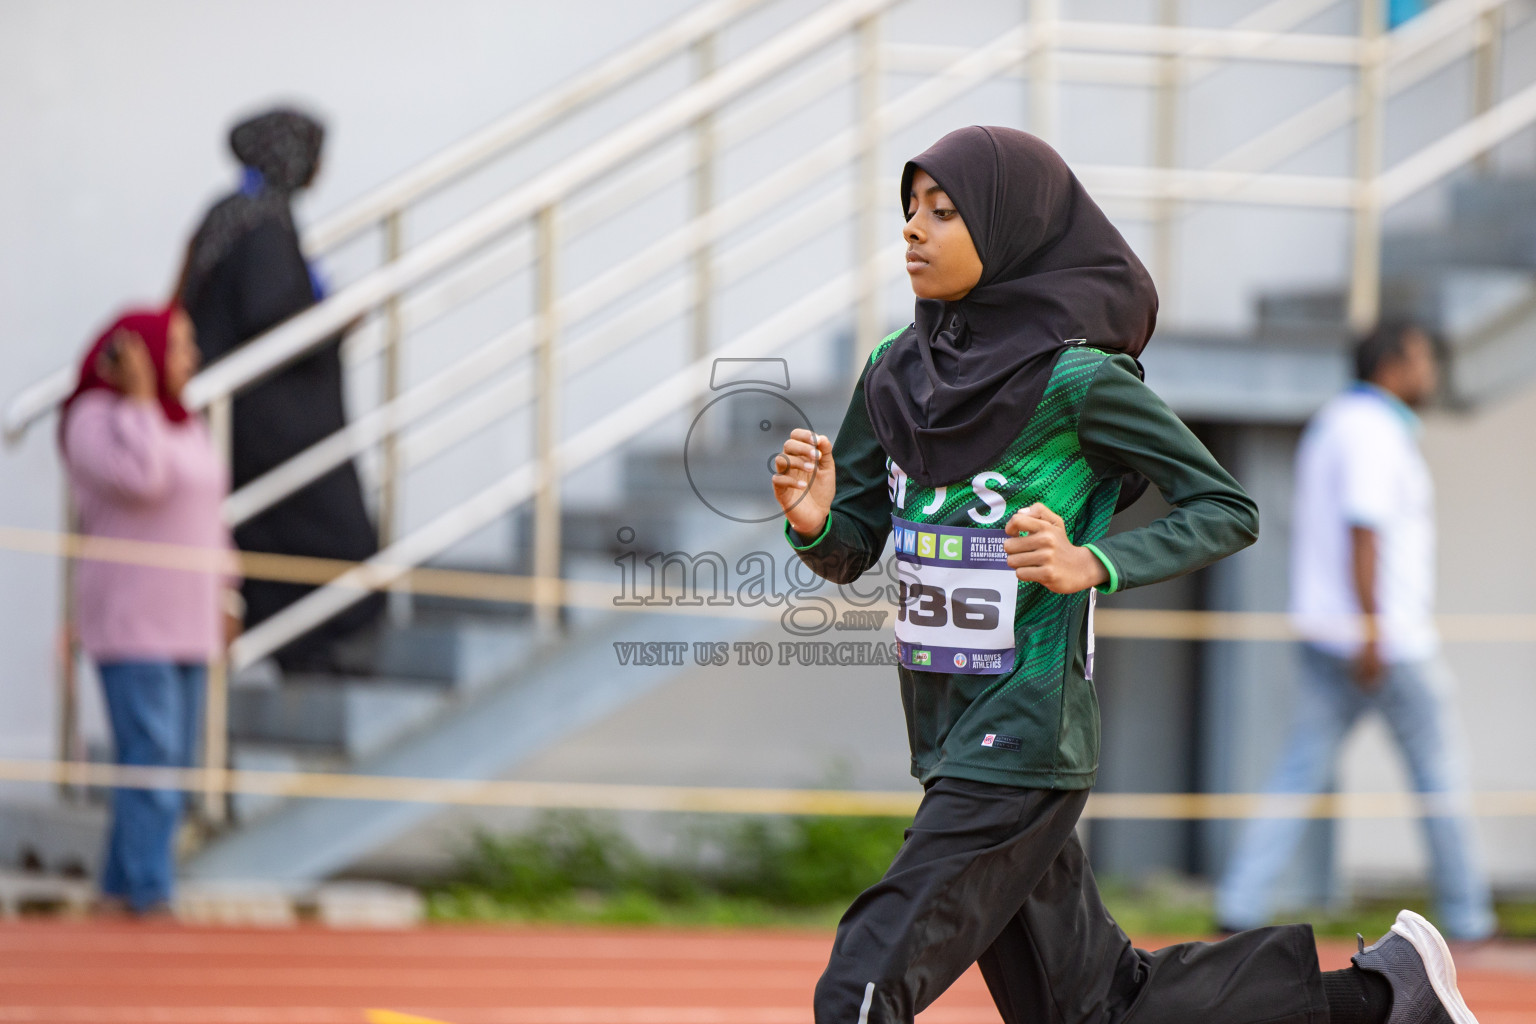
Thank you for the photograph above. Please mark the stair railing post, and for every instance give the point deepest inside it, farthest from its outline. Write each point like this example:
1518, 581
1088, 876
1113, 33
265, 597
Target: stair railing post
1165, 145
1365, 268
867, 326
389, 451
704, 59
1486, 56
216, 700
389, 462
546, 511
68, 735
1043, 18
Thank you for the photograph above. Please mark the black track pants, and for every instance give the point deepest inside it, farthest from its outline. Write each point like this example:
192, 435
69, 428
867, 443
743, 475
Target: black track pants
995, 875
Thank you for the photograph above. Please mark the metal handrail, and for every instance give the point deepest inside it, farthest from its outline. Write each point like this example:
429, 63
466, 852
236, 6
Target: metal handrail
473, 368
517, 486
1458, 147
656, 259
1236, 183
495, 139
521, 483
454, 162
293, 338
1181, 185
421, 400
667, 164
397, 414
1268, 42
1444, 28
603, 435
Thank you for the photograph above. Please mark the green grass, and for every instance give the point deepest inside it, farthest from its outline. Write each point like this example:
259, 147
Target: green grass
629, 908
786, 872
783, 872
1164, 907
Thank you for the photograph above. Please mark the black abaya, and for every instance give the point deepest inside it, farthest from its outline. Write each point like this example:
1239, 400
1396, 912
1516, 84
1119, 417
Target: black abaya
261, 280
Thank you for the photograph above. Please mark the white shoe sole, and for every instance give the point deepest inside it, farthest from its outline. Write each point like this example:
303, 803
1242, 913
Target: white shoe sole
1431, 947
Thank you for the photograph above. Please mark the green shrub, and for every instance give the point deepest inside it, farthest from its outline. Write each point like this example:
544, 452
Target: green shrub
574, 865
802, 862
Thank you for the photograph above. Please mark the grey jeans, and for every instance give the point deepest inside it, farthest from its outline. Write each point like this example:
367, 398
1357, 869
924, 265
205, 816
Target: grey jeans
1415, 701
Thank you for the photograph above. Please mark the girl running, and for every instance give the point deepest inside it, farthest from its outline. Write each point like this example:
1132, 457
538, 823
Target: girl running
993, 438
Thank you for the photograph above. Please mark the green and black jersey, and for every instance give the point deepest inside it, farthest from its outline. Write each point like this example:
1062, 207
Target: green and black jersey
1036, 725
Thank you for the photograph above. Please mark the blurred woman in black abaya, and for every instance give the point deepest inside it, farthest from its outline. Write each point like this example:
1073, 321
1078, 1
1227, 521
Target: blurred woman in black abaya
244, 274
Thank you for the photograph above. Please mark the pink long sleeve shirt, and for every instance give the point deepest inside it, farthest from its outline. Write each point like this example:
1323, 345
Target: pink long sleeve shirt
135, 475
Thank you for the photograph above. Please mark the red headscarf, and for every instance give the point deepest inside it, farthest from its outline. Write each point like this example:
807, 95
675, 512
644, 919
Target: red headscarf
154, 328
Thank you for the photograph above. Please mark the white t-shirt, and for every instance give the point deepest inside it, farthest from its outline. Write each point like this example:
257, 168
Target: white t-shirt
1359, 464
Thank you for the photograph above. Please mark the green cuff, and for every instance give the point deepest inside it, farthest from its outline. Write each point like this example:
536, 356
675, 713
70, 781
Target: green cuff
1114, 577
790, 535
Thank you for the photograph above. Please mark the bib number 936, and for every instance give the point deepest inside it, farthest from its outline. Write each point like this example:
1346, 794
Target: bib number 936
924, 604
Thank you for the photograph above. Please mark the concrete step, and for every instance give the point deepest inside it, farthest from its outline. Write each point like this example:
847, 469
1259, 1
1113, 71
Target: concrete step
1511, 245
25, 891
251, 755
1219, 379
1300, 310
1453, 301
54, 839
458, 652
445, 642
743, 413
733, 484
1493, 201
350, 717
254, 903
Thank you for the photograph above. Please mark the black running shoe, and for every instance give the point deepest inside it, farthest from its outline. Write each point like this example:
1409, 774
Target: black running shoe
1416, 963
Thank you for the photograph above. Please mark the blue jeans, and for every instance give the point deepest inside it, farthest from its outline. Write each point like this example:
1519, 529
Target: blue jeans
1413, 698
156, 710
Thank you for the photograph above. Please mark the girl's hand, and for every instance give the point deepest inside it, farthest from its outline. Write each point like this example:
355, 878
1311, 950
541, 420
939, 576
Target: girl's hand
804, 481
127, 367
234, 616
233, 627
1039, 551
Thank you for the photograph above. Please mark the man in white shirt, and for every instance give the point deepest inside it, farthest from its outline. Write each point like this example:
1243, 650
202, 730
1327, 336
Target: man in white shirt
1362, 599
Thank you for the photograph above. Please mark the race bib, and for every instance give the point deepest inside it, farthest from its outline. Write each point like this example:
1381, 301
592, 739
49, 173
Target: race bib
956, 599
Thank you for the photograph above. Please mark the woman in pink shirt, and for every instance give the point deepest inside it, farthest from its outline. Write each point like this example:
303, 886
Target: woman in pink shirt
142, 468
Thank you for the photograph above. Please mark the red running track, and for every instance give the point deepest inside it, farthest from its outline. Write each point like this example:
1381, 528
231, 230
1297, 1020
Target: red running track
125, 973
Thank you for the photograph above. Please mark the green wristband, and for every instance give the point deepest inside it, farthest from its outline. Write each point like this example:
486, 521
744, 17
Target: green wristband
1114, 577
790, 534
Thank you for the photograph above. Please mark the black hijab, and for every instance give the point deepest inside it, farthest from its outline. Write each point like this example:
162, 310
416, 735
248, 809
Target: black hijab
280, 151
958, 386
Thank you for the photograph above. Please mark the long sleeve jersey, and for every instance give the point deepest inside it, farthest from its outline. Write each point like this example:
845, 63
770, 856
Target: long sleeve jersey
1035, 724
